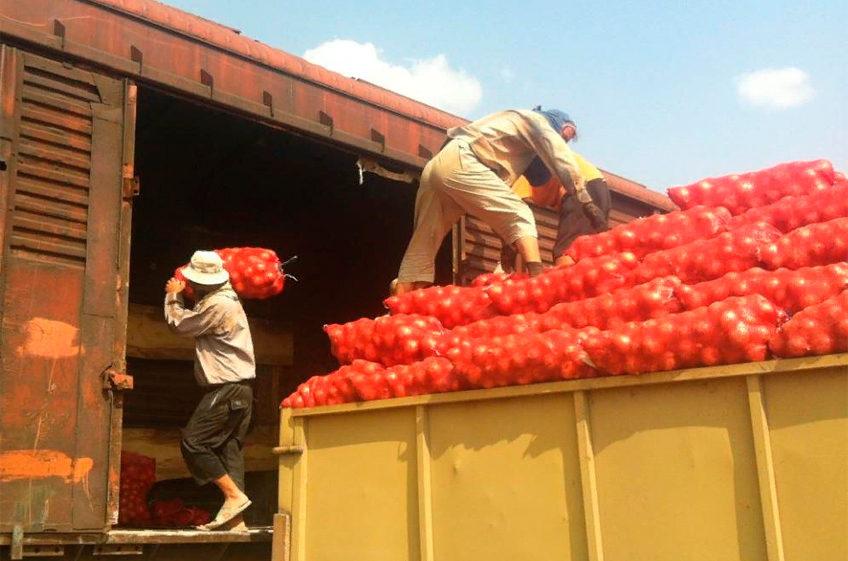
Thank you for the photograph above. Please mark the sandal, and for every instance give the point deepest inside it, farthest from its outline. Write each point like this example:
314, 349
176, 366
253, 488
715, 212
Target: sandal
225, 515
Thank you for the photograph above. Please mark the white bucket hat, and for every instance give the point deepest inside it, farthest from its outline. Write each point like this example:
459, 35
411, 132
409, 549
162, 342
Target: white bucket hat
206, 267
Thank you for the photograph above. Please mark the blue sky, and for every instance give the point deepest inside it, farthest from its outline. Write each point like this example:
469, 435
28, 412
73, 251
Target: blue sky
664, 92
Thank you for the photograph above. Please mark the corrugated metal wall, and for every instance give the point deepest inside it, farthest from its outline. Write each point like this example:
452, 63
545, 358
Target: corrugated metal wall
63, 137
482, 247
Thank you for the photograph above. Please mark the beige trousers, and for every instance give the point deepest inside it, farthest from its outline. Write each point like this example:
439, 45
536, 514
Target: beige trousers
453, 183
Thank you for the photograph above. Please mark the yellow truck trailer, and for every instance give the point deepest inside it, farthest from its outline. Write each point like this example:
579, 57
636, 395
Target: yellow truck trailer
742, 462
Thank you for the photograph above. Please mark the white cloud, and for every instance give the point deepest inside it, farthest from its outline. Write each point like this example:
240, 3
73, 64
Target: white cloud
775, 88
507, 74
431, 81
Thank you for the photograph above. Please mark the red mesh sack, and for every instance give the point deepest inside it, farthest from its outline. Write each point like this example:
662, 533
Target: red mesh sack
493, 327
345, 385
701, 260
487, 279
731, 331
653, 233
816, 244
138, 474
519, 359
817, 330
173, 513
586, 278
254, 272
650, 300
792, 290
369, 381
389, 340
451, 305
738, 193
790, 213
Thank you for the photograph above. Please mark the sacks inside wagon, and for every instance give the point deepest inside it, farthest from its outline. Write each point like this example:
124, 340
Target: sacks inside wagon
751, 267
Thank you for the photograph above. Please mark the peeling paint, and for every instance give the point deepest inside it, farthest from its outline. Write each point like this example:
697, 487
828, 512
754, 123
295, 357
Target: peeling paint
42, 464
49, 338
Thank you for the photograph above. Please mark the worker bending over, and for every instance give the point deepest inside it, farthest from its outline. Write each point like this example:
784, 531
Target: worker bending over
473, 172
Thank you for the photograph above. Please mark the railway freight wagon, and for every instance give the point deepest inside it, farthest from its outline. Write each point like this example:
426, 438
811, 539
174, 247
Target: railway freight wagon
739, 462
132, 134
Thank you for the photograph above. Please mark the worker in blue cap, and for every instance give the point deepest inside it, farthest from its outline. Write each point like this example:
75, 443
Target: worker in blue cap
473, 173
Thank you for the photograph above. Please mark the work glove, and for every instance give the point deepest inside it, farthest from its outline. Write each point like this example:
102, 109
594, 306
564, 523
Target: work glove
596, 216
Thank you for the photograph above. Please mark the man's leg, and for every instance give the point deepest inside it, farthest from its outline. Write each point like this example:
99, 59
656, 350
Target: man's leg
481, 193
435, 214
528, 249
232, 450
231, 454
209, 428
233, 493
202, 434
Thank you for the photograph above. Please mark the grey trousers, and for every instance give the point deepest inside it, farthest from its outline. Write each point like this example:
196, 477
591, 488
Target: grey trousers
213, 440
453, 183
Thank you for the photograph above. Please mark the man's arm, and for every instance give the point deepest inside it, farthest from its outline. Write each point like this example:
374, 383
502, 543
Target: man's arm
555, 153
185, 322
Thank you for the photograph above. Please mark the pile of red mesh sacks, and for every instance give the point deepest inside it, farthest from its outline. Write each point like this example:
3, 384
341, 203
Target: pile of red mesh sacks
753, 266
817, 330
173, 513
138, 474
254, 272
740, 192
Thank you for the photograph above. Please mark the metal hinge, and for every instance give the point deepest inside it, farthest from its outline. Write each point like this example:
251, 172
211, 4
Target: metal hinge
116, 380
44, 551
287, 450
132, 187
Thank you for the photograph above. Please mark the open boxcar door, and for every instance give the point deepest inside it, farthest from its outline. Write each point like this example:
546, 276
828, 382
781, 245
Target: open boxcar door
66, 181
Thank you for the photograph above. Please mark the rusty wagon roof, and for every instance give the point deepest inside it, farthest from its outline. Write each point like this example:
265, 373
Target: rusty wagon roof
232, 40
162, 44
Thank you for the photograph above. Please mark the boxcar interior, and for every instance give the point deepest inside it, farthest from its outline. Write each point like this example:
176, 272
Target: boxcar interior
210, 179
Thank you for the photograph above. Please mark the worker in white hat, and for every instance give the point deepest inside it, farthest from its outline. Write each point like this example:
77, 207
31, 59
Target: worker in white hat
212, 442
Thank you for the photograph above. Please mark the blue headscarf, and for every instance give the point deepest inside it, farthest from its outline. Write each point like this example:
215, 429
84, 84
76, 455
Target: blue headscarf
537, 173
556, 118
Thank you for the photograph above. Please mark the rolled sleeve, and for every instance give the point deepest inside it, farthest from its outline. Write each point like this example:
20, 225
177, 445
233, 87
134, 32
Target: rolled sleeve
191, 323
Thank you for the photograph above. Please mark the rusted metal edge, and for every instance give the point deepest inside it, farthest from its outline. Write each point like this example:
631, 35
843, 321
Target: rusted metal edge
638, 191
117, 380
780, 366
226, 39
134, 67
260, 534
196, 90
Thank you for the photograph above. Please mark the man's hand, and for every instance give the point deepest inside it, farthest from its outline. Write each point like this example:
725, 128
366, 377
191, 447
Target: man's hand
174, 286
596, 216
